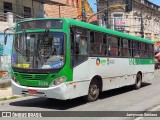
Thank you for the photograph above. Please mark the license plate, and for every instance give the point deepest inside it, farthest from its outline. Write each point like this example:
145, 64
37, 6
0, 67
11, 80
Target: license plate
32, 91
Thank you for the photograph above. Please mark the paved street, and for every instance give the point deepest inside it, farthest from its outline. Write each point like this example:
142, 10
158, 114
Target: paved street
122, 99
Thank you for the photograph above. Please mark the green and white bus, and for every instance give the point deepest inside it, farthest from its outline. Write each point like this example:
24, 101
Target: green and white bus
65, 58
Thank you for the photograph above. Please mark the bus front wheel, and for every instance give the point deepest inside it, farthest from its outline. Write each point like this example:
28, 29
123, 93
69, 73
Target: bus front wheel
93, 92
138, 81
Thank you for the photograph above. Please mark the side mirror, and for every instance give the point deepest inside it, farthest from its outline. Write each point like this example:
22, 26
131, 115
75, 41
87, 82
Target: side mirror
5, 35
5, 39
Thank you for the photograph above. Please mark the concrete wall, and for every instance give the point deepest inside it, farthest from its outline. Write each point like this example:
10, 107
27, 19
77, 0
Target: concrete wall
5, 59
18, 7
70, 10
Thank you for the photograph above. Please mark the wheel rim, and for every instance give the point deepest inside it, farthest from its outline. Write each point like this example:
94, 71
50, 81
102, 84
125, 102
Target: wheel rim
93, 91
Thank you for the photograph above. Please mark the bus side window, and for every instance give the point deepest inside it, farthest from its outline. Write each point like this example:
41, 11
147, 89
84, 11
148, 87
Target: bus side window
150, 51
98, 43
136, 49
79, 46
144, 50
130, 48
93, 47
72, 43
113, 47
126, 52
83, 46
104, 46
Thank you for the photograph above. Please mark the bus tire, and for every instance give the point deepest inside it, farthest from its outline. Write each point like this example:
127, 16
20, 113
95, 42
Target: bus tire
93, 92
138, 81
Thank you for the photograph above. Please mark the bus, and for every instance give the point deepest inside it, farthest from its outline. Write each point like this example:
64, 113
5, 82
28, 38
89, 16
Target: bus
63, 58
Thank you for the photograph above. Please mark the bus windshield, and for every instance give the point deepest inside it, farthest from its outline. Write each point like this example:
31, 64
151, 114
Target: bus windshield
43, 50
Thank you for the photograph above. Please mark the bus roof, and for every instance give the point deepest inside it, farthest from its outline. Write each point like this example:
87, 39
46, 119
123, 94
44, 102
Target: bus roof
95, 28
105, 30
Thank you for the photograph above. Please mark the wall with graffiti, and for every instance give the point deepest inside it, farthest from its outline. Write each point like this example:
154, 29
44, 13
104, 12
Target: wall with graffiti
5, 57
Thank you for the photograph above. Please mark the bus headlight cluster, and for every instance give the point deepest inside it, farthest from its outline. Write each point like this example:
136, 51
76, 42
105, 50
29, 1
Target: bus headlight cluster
59, 81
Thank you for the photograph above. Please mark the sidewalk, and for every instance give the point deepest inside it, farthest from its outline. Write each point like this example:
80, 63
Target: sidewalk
5, 92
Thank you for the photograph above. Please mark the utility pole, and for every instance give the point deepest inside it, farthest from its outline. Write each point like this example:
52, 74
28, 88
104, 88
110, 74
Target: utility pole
83, 12
106, 16
142, 25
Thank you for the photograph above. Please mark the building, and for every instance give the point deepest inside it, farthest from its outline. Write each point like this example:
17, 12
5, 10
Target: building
22, 8
10, 12
69, 9
138, 17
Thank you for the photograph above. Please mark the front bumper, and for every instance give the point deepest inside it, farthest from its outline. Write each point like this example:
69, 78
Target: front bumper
57, 92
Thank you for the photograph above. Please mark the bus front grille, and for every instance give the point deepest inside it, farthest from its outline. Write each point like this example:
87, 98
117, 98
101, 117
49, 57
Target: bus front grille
33, 76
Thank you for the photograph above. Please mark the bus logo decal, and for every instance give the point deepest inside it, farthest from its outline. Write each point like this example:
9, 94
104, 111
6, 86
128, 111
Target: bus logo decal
98, 61
104, 62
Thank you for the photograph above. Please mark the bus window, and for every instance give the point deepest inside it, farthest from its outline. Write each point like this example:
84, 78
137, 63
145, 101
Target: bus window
150, 51
98, 44
136, 49
144, 50
126, 52
72, 43
104, 46
114, 44
83, 46
92, 37
79, 46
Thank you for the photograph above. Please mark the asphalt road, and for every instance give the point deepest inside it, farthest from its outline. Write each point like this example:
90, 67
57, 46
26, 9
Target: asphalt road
121, 99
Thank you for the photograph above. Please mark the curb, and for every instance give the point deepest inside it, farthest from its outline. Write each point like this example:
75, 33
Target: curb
9, 98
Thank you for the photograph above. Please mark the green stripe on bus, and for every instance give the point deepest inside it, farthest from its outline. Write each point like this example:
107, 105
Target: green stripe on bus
139, 61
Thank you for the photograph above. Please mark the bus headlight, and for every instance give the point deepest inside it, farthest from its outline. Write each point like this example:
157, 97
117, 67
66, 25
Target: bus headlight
59, 81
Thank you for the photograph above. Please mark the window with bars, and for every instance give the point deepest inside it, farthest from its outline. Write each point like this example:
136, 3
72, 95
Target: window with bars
118, 22
7, 7
27, 12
